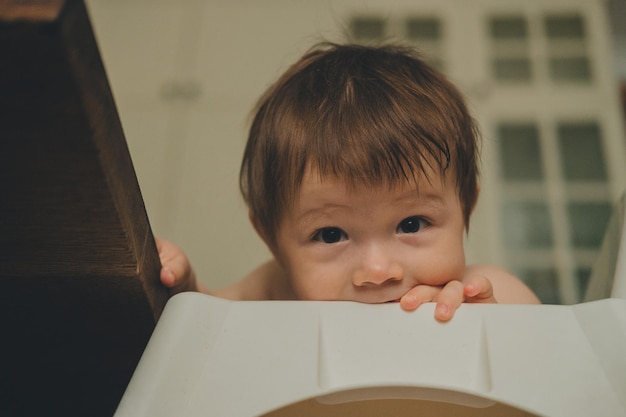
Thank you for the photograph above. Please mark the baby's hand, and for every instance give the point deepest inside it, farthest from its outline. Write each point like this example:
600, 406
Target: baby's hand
473, 289
176, 272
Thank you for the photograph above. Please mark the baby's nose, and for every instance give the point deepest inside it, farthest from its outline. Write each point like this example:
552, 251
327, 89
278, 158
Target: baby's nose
376, 268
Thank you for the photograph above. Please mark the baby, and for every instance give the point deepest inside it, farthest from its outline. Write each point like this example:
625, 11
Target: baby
360, 174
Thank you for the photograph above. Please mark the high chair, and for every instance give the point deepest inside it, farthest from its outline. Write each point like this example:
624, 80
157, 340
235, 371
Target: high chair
210, 356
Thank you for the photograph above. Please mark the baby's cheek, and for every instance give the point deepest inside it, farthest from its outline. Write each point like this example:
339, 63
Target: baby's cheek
310, 288
328, 288
441, 270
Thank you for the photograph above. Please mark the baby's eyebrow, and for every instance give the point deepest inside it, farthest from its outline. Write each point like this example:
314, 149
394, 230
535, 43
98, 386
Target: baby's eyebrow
421, 198
320, 211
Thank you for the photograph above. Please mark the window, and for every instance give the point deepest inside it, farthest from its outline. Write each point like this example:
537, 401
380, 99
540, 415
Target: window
520, 153
423, 29
587, 223
512, 69
508, 28
567, 61
537, 226
424, 32
570, 69
580, 145
527, 225
543, 281
564, 27
510, 60
367, 28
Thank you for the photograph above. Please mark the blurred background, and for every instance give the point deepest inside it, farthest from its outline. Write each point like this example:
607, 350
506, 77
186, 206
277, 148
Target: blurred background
544, 78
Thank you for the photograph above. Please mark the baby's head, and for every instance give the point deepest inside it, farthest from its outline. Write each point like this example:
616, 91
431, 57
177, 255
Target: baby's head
373, 116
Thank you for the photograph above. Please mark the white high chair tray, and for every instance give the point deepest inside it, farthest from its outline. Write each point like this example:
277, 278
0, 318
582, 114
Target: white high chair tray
215, 357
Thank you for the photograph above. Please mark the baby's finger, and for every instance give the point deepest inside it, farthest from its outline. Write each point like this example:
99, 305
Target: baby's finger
478, 289
449, 299
168, 278
417, 296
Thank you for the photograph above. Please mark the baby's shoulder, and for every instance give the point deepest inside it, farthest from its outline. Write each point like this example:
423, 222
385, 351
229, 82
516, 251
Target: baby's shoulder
266, 282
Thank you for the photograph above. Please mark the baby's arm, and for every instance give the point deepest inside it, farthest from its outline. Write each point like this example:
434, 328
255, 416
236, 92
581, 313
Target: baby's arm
480, 284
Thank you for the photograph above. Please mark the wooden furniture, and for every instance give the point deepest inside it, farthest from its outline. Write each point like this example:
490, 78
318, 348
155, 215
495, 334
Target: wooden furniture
79, 270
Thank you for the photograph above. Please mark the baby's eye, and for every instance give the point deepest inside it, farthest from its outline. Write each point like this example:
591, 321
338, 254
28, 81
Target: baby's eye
412, 224
330, 235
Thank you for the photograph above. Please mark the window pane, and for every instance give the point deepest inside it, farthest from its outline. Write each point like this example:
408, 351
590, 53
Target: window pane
543, 282
568, 27
423, 28
582, 279
580, 145
520, 154
570, 69
512, 69
588, 223
504, 28
527, 225
367, 28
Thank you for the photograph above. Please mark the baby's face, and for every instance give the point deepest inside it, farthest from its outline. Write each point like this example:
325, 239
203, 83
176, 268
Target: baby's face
370, 244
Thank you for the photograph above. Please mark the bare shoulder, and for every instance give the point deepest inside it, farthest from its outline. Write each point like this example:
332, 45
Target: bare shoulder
507, 288
266, 282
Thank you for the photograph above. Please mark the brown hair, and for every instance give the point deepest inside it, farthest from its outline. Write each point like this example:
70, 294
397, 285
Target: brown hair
367, 115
